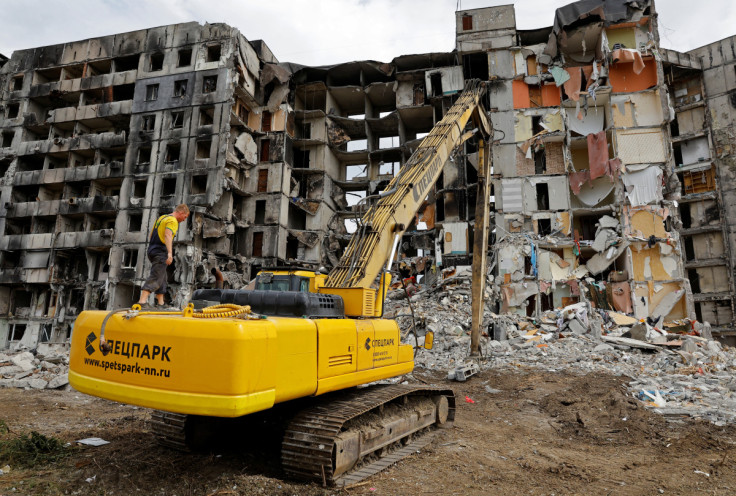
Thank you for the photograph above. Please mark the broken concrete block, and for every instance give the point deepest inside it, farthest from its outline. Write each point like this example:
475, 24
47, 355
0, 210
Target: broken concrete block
10, 370
638, 332
463, 372
22, 375
23, 360
689, 346
603, 347
58, 381
607, 222
577, 327
37, 383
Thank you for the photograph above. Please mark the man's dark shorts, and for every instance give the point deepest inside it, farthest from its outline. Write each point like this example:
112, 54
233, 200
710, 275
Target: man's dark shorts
156, 282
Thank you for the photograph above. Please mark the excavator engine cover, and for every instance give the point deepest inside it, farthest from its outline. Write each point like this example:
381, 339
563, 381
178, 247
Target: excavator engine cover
275, 303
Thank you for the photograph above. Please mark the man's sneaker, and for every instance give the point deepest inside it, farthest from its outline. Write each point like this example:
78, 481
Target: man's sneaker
146, 307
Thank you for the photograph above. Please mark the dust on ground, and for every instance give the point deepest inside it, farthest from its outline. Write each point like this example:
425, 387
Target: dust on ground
533, 433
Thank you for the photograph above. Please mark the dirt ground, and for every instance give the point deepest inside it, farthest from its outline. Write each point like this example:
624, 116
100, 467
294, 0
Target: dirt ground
542, 434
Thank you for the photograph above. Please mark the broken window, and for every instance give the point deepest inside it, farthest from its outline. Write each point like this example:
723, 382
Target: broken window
135, 222
262, 180
467, 22
4, 166
301, 159
45, 333
177, 120
12, 110
129, 63
353, 172
151, 92
206, 116
139, 188
168, 186
144, 155
130, 259
265, 150
16, 332
435, 80
123, 92
213, 53
475, 66
156, 62
257, 250
199, 184
16, 84
260, 212
149, 122
180, 88
203, 148
209, 84
243, 112
297, 218
540, 161
173, 152
266, 121
685, 216
544, 227
7, 139
185, 57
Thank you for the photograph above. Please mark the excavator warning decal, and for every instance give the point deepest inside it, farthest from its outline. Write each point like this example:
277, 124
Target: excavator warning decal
367, 343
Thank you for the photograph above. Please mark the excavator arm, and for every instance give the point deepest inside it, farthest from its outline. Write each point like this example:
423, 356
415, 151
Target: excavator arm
373, 245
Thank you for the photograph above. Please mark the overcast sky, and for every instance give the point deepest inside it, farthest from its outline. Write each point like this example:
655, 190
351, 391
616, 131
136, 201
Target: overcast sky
316, 32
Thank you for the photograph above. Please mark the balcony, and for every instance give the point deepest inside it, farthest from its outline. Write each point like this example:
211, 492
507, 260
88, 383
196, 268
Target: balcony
55, 176
89, 205
81, 142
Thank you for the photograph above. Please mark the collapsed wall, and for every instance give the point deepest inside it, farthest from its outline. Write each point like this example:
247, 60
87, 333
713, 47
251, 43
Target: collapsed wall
586, 194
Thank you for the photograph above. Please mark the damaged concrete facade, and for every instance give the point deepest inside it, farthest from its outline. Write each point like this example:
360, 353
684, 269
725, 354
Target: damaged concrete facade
99, 138
613, 165
586, 192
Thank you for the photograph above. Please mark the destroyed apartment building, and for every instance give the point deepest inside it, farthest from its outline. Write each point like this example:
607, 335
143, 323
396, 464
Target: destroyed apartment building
612, 165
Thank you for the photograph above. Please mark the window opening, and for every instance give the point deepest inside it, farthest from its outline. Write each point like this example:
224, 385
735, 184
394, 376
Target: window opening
151, 92
185, 58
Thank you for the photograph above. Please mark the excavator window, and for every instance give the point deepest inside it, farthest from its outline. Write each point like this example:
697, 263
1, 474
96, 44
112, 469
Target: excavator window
268, 281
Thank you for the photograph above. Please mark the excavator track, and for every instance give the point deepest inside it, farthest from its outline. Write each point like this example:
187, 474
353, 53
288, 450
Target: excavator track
356, 434
170, 429
344, 437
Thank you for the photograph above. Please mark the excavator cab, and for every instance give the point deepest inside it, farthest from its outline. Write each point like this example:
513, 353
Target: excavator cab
306, 281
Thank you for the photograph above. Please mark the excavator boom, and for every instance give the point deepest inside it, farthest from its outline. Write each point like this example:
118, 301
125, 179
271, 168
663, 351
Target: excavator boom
367, 254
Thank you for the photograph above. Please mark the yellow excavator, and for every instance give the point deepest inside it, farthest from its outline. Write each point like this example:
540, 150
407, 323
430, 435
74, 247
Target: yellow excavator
231, 353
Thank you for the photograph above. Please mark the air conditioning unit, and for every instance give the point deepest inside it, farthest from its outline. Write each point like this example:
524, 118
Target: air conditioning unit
58, 141
107, 233
72, 201
116, 164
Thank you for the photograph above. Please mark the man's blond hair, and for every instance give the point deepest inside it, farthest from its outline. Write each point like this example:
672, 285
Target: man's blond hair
182, 208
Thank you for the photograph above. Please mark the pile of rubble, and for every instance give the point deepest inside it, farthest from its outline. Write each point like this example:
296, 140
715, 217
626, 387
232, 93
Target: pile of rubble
23, 369
676, 368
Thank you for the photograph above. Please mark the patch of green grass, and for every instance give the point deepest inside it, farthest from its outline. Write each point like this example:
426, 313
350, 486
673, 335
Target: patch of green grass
4, 429
30, 450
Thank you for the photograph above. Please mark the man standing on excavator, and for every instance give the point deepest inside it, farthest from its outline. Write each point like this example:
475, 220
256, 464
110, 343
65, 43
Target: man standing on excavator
161, 253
